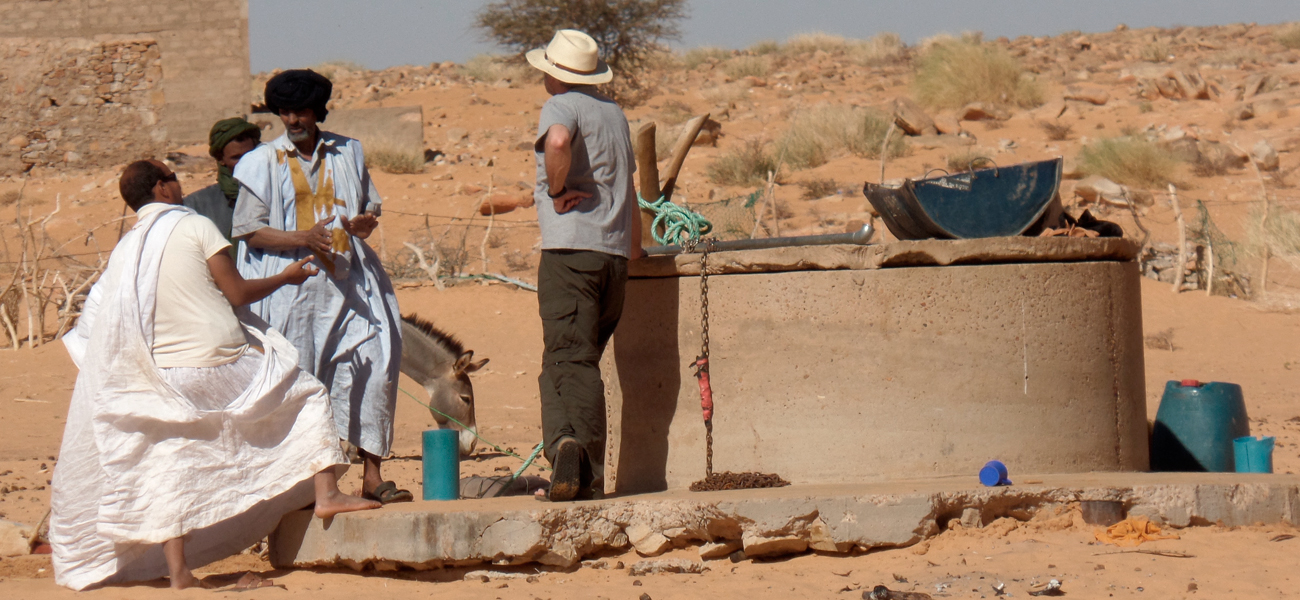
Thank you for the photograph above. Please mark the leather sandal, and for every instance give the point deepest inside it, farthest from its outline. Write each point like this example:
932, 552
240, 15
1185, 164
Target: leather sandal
387, 493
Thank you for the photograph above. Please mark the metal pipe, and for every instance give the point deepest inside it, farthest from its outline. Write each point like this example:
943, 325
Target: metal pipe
860, 237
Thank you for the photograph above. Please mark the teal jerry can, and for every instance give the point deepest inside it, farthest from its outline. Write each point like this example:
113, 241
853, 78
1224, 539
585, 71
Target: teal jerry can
1196, 425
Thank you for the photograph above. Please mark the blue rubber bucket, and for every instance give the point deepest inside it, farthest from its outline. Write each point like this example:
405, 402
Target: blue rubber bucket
441, 464
994, 473
1195, 427
1253, 454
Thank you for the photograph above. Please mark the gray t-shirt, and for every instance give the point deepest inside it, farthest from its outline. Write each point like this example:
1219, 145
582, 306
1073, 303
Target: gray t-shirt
602, 165
213, 204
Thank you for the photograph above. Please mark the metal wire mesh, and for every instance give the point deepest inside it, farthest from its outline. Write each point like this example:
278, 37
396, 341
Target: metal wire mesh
733, 218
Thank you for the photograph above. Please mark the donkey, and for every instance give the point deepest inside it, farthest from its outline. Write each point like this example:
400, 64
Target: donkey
440, 363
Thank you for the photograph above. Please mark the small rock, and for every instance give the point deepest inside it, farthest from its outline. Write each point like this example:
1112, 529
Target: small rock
1098, 190
714, 550
1070, 169
647, 541
1242, 111
1265, 156
13, 539
645, 596
637, 583
912, 119
971, 518
773, 546
498, 204
469, 189
669, 565
979, 111
947, 123
1091, 95
456, 134
755, 81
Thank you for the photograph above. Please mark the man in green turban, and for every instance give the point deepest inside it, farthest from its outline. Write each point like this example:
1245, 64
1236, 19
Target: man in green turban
229, 140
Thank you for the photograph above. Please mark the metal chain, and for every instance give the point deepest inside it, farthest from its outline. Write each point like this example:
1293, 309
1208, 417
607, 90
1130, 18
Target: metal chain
701, 362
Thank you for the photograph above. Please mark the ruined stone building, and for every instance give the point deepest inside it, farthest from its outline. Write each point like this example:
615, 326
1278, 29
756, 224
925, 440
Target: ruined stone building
95, 83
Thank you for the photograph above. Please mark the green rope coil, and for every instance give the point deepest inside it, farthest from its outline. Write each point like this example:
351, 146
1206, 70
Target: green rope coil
679, 223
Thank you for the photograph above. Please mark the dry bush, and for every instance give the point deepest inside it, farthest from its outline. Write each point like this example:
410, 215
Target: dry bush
819, 188
884, 48
967, 160
387, 158
1211, 164
695, 57
951, 74
748, 164
496, 240
1234, 57
1156, 52
1145, 107
725, 94
517, 261
491, 68
808, 43
746, 66
675, 112
816, 134
1056, 130
1289, 36
764, 47
1280, 234
335, 68
1130, 161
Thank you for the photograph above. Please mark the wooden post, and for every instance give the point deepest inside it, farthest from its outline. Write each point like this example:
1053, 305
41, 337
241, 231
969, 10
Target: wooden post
683, 145
1263, 222
647, 166
1182, 240
1209, 278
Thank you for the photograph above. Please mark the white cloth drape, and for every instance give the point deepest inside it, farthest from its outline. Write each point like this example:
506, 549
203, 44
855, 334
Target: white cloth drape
345, 326
142, 463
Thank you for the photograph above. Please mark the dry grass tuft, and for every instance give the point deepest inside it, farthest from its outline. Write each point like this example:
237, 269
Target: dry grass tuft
1130, 161
746, 66
1156, 52
389, 157
884, 48
815, 135
726, 93
1056, 130
491, 68
951, 74
9, 197
746, 165
764, 47
967, 160
1289, 36
808, 43
674, 112
695, 57
814, 189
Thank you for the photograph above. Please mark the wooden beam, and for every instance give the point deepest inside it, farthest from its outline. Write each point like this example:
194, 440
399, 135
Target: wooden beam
683, 145
647, 166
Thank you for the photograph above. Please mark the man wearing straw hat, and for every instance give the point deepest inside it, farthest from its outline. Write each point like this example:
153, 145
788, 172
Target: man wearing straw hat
586, 207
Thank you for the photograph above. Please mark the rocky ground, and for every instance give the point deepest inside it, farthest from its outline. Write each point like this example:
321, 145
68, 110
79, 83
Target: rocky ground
1230, 91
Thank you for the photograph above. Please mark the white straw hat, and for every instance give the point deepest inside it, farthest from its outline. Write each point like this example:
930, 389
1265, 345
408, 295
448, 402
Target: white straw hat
571, 57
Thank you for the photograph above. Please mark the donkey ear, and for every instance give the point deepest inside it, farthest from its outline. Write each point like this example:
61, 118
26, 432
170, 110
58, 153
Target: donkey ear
465, 362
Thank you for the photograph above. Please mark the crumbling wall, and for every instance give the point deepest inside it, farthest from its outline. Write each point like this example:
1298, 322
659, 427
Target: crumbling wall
193, 71
79, 103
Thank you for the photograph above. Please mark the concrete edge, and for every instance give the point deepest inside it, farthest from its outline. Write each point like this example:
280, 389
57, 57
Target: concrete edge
764, 523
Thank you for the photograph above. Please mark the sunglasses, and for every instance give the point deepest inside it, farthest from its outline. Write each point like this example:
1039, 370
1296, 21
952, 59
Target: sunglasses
169, 177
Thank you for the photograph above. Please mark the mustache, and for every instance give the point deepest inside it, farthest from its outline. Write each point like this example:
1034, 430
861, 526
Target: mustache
300, 135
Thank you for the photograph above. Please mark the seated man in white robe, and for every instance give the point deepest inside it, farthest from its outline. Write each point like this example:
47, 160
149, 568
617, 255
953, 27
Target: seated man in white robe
189, 433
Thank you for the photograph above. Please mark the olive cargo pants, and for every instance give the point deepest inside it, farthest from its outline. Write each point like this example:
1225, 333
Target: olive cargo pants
580, 298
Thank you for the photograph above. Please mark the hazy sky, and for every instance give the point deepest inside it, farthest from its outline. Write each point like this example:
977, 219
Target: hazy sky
382, 33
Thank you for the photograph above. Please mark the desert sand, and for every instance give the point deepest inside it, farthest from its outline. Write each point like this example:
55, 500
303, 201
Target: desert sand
1210, 338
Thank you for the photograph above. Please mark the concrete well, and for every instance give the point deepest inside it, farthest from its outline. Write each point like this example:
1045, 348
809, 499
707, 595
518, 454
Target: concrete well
845, 364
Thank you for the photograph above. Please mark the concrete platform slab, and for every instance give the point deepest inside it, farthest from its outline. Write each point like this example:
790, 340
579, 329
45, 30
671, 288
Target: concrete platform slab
771, 522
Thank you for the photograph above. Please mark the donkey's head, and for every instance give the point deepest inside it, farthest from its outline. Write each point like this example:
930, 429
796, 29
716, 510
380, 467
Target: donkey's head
439, 362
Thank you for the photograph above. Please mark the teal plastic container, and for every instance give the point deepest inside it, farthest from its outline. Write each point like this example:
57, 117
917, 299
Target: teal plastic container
1196, 425
1253, 454
441, 464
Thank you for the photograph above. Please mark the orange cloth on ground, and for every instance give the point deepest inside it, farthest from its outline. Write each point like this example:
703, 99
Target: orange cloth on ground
1133, 531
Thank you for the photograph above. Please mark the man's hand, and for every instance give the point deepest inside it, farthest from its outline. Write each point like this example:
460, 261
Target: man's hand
568, 200
318, 238
361, 226
298, 272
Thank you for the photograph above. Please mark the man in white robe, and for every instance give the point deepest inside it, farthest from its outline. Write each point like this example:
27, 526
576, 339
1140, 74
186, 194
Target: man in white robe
308, 193
189, 434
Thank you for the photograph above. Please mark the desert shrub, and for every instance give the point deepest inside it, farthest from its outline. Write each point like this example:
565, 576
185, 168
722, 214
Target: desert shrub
491, 68
1211, 164
1156, 52
725, 94
674, 112
745, 66
819, 188
1056, 130
1145, 107
881, 49
1130, 161
334, 68
517, 261
704, 54
818, 133
628, 32
951, 74
748, 164
1289, 36
764, 47
967, 160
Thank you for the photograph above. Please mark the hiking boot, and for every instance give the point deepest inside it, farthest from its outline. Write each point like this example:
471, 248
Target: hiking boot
566, 480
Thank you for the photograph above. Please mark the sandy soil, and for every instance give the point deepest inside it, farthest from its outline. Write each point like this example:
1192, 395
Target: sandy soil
1255, 344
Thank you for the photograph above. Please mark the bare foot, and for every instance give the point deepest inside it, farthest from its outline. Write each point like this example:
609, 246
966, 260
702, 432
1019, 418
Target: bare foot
336, 502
